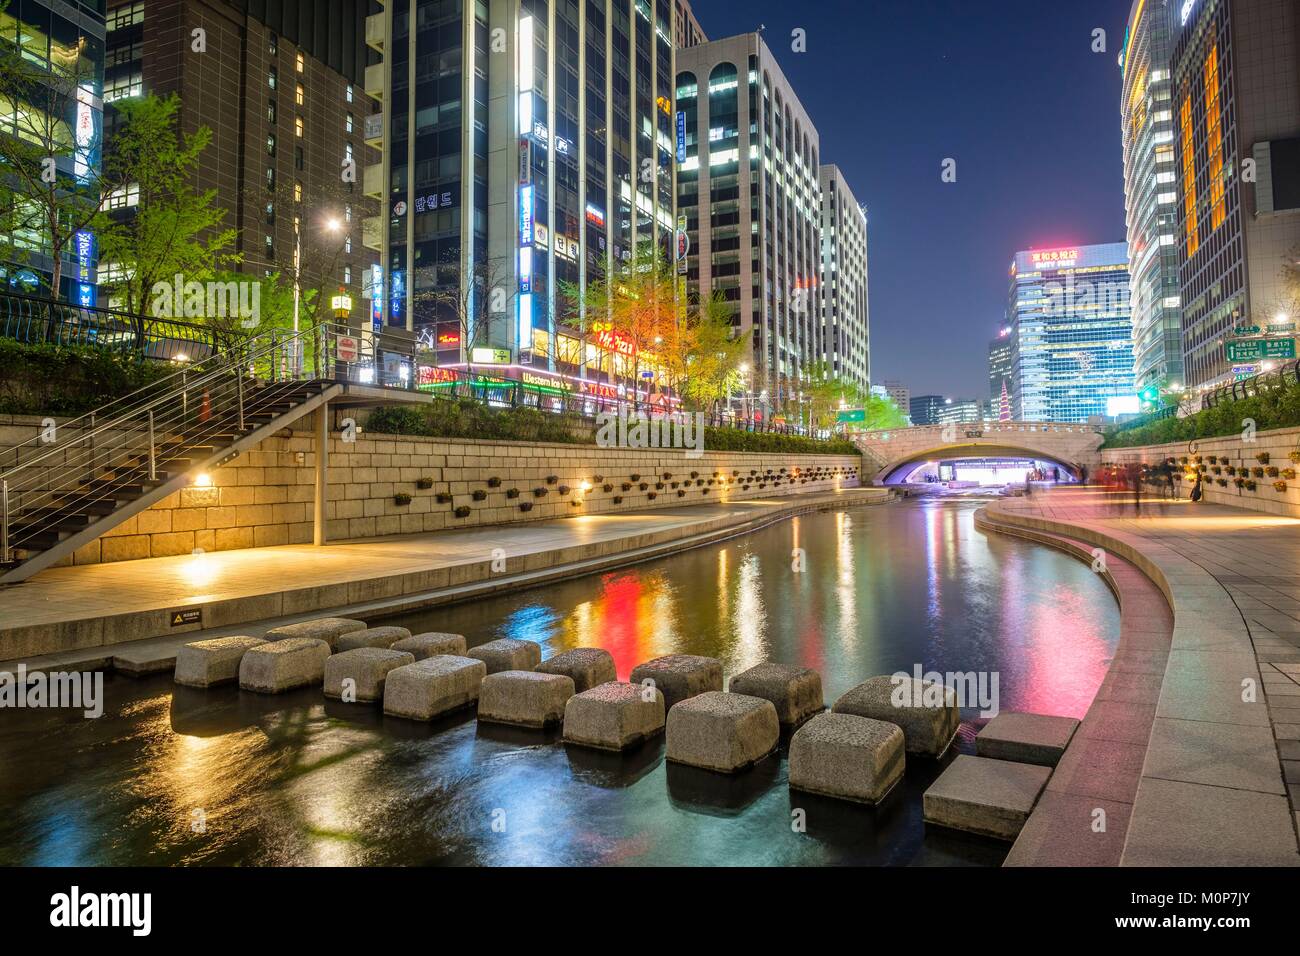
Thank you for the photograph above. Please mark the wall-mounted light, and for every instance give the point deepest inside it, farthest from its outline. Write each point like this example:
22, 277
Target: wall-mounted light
203, 480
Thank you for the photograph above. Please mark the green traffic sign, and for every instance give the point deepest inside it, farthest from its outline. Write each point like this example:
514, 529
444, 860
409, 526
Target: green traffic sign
850, 415
1248, 350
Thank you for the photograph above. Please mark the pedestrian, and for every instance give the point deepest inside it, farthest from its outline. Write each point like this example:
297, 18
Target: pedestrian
1135, 477
1196, 488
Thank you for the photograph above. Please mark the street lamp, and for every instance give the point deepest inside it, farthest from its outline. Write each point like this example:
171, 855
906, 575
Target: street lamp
332, 225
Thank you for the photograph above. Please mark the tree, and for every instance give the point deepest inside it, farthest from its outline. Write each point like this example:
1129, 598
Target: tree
713, 355
478, 307
642, 302
173, 230
52, 183
883, 413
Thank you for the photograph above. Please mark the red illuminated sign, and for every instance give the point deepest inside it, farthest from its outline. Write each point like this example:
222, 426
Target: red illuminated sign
449, 338
615, 342
433, 375
1055, 257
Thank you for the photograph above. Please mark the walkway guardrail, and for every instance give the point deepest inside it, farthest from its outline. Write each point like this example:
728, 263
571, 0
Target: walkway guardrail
1168, 411
33, 320
1284, 377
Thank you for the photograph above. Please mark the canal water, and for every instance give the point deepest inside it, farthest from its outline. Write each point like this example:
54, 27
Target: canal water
176, 776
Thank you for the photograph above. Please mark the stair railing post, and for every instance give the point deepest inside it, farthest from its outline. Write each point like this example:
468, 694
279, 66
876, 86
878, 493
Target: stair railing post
239, 380
153, 454
92, 446
4, 520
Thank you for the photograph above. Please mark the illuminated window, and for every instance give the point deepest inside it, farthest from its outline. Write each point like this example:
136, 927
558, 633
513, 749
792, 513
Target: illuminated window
297, 191
1214, 139
123, 86
347, 123
124, 16
272, 77
299, 95
348, 93
298, 63
297, 126
1189, 176
123, 197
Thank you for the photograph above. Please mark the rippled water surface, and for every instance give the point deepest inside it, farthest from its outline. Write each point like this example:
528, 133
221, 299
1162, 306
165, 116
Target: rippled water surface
170, 775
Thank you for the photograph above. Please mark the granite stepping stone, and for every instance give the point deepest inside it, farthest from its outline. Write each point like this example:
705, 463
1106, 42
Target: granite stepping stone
327, 629
926, 711
367, 668
680, 676
371, 637
847, 757
1026, 738
524, 698
980, 795
431, 644
433, 686
795, 692
722, 732
613, 716
212, 662
508, 654
587, 666
278, 666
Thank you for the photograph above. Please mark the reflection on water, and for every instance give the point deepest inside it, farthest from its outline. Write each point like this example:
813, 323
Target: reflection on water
171, 775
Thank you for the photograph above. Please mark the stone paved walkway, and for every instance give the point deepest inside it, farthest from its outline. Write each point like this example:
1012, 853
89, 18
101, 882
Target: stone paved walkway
1220, 781
83, 610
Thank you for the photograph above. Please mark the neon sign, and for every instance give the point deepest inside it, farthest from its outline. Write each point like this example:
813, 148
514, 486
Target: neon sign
1055, 258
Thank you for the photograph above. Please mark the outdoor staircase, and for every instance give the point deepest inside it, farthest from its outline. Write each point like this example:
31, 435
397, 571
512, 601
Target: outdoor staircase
117, 461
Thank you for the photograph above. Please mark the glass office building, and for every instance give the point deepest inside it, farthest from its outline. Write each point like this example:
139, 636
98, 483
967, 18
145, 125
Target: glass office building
64, 40
1071, 332
529, 144
1151, 197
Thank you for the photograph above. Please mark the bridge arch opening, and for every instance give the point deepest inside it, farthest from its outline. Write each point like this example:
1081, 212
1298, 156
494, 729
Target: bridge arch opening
978, 465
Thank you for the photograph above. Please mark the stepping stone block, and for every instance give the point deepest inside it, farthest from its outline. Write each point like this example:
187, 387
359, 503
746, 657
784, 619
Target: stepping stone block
722, 732
524, 698
368, 667
1026, 738
209, 663
680, 676
979, 795
587, 666
433, 686
928, 726
613, 716
795, 692
371, 637
278, 666
431, 644
327, 629
847, 757
508, 654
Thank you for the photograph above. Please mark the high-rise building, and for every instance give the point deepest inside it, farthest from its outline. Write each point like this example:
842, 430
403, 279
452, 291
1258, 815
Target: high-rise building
686, 29
1000, 366
749, 193
63, 41
956, 411
279, 85
1150, 197
1071, 332
846, 332
1236, 108
528, 146
924, 409
900, 395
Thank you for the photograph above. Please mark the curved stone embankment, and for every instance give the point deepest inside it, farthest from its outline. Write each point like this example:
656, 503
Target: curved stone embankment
1179, 748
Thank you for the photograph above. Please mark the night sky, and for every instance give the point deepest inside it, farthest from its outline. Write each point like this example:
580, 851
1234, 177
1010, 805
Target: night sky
1010, 89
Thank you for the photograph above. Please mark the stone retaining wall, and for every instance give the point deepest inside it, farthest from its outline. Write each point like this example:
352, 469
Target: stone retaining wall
264, 497
1277, 444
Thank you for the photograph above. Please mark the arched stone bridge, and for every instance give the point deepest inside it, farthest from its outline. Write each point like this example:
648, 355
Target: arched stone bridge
889, 454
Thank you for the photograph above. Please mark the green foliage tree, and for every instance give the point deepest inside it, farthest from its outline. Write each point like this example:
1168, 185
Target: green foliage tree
174, 229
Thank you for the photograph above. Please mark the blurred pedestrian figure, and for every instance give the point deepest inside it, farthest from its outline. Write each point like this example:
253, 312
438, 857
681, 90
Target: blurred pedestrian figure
1135, 479
1196, 488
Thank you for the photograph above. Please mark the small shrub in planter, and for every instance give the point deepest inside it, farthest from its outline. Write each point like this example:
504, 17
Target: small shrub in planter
653, 495
695, 474
676, 483
552, 479
424, 484
1183, 460
598, 479
494, 482
1294, 456
1239, 482
1221, 482
643, 486
1271, 471
564, 489
1279, 486
607, 488
681, 494
1232, 469
512, 493
1217, 470
704, 491
1257, 472
479, 495
576, 502
618, 499
539, 492
1262, 458
1250, 484
626, 486
1288, 473
401, 499
442, 498
659, 486
463, 511
525, 506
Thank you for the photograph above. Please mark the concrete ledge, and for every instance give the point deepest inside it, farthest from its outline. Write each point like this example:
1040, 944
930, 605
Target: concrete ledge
991, 798
1026, 738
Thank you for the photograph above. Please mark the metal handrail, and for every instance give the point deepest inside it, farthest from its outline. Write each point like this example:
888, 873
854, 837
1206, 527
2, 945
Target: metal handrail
1236, 391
